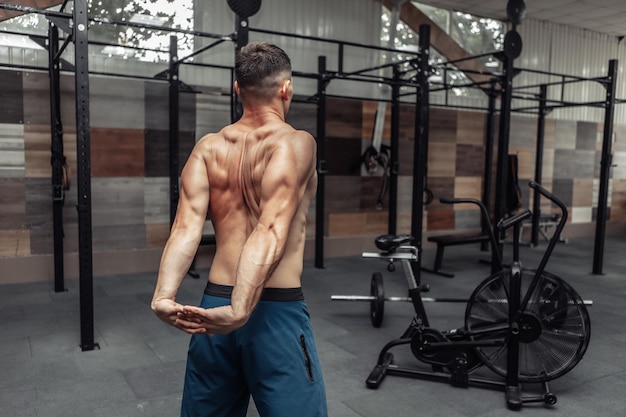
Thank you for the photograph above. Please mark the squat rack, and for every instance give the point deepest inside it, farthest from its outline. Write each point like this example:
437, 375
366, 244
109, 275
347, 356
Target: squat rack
545, 106
75, 25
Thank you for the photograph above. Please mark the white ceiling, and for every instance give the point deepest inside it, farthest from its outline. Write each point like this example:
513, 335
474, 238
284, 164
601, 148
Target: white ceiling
605, 16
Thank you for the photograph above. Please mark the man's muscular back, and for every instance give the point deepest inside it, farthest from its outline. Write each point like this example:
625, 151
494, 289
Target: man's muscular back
238, 160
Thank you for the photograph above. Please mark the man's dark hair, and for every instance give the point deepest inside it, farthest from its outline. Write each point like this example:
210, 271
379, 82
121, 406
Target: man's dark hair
257, 66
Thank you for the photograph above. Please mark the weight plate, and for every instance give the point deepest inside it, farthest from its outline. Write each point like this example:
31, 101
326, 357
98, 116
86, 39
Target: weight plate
244, 8
512, 44
377, 305
516, 11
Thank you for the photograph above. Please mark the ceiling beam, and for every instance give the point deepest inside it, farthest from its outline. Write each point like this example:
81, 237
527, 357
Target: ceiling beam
35, 4
442, 42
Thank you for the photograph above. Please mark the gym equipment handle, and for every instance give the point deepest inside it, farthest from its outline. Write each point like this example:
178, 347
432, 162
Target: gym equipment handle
511, 221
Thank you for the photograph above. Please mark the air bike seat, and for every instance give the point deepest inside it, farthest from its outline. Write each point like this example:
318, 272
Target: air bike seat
389, 243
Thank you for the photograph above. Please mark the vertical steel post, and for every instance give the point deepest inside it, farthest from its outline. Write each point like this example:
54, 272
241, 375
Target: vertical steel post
488, 166
173, 127
321, 162
503, 145
541, 129
83, 148
605, 168
56, 130
395, 144
421, 141
243, 35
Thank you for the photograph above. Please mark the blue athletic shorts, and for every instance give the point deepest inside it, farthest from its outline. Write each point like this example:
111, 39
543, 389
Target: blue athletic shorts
272, 357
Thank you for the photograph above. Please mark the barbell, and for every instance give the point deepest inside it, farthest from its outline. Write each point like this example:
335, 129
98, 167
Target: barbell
377, 299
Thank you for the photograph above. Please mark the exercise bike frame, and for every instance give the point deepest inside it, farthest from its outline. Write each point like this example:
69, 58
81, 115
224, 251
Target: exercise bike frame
462, 342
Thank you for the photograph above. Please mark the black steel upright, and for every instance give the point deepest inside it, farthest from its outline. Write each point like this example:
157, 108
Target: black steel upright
395, 144
242, 37
506, 94
488, 166
419, 148
541, 128
57, 159
605, 168
322, 81
174, 84
83, 148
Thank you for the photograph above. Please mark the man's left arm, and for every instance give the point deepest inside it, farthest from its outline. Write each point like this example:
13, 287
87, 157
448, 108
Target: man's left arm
182, 244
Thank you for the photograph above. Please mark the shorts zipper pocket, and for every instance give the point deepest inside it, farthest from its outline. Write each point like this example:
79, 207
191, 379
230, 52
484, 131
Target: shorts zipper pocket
307, 358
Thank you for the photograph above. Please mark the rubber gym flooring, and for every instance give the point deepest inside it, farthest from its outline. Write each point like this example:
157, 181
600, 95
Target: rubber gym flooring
139, 367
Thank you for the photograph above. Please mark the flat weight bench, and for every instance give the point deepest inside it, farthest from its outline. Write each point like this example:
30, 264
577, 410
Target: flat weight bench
206, 240
546, 222
451, 240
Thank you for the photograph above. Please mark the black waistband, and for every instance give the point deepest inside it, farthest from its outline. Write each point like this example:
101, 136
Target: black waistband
269, 294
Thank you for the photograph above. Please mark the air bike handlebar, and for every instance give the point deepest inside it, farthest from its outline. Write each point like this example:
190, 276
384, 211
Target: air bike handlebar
523, 215
485, 216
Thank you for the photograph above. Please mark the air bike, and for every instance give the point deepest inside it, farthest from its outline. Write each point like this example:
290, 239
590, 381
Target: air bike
528, 326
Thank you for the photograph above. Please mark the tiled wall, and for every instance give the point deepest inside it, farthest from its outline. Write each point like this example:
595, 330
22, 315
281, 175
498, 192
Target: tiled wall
129, 163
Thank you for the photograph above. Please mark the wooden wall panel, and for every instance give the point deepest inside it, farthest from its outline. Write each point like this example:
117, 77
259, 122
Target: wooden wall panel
343, 194
547, 170
440, 187
369, 118
302, 116
352, 224
157, 234
442, 126
370, 190
119, 237
407, 123
549, 134
156, 104
343, 156
157, 112
343, 118
12, 204
525, 162
39, 215
565, 134
563, 189
440, 219
620, 137
213, 113
405, 157
37, 142
441, 159
11, 150
523, 132
564, 166
618, 200
469, 160
346, 224
467, 187
116, 103
14, 243
586, 135
11, 99
582, 192
156, 200
405, 193
156, 146
117, 201
117, 152
467, 219
37, 100
470, 129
